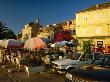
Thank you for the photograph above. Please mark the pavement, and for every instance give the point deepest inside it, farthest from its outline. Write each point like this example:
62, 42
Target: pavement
47, 76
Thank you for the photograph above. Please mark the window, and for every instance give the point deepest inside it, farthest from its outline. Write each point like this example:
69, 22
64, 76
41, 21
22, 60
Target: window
73, 31
98, 30
84, 31
85, 17
102, 60
99, 43
83, 58
99, 61
98, 16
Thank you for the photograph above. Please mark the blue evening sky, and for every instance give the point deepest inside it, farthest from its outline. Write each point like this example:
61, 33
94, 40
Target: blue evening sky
17, 13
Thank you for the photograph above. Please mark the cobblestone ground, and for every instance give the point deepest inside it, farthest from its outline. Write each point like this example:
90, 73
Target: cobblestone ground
34, 77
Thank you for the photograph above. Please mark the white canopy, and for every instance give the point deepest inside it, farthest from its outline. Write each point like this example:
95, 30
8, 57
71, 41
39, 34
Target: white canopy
11, 43
62, 43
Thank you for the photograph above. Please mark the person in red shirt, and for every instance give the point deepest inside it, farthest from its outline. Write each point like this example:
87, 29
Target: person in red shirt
93, 48
100, 49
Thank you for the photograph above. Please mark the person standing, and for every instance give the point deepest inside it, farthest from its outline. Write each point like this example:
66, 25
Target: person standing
100, 49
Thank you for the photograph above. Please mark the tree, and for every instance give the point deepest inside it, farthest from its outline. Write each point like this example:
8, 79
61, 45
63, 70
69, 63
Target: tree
87, 46
62, 35
6, 33
9, 34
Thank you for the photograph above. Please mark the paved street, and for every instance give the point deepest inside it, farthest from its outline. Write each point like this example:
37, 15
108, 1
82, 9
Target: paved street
34, 77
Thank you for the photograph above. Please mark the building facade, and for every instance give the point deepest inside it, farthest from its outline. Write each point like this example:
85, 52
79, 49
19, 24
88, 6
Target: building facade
45, 32
94, 24
30, 30
49, 31
71, 26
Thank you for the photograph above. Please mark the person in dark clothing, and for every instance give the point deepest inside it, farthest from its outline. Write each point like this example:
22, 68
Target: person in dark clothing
60, 53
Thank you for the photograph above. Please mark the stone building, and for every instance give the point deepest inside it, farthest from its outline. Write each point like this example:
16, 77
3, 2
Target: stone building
71, 26
45, 32
94, 24
30, 30
48, 31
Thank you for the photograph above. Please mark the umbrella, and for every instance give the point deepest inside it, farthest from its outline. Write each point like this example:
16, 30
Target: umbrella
34, 43
70, 45
45, 39
59, 44
63, 43
11, 43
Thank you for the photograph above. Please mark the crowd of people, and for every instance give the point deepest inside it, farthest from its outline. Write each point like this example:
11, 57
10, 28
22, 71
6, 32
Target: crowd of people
99, 48
29, 57
38, 56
